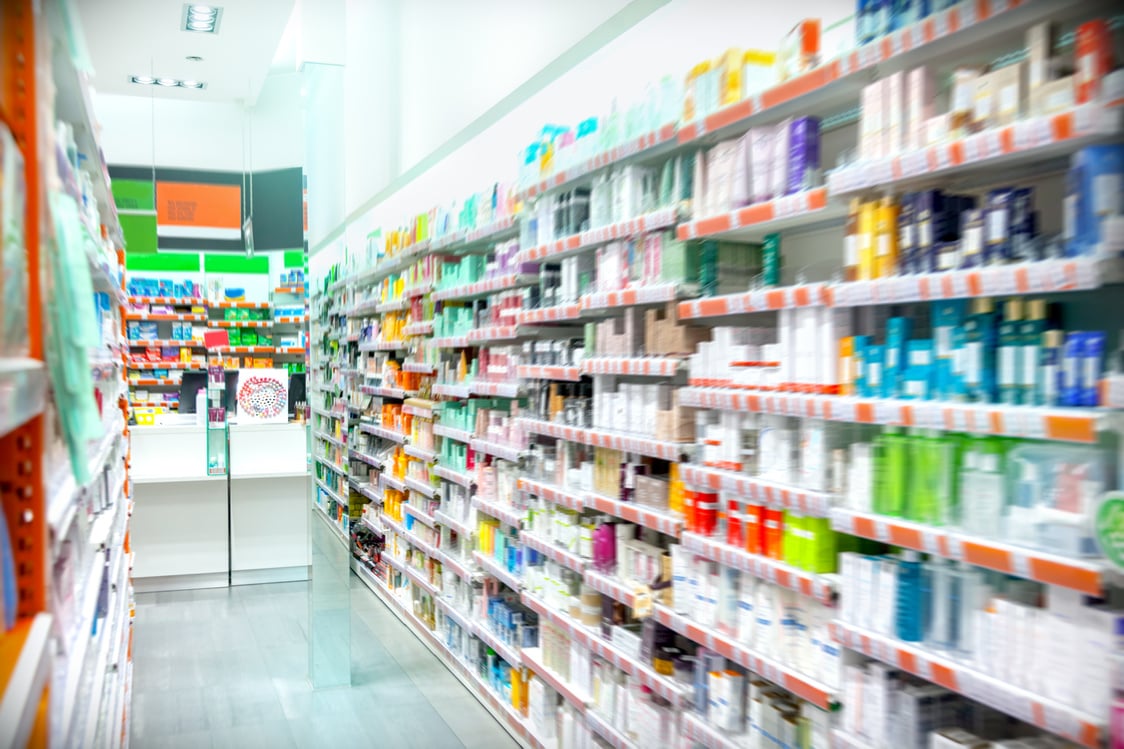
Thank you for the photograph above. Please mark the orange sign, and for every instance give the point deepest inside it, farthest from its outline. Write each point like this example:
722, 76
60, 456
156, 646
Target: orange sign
202, 206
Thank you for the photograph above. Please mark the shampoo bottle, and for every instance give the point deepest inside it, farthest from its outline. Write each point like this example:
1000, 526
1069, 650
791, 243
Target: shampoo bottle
1010, 354
1048, 373
911, 602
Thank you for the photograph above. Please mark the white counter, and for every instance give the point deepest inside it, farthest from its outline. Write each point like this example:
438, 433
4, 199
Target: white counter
179, 525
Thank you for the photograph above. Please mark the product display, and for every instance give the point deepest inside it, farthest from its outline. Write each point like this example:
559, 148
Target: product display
735, 421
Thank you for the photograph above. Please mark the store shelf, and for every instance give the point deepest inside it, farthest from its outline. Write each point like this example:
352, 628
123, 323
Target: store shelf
695, 728
672, 451
382, 345
635, 366
1037, 710
760, 300
339, 470
543, 315
802, 210
490, 333
462, 528
393, 305
460, 435
457, 477
329, 438
367, 308
385, 392
489, 286
380, 431
293, 289
331, 493
290, 350
166, 317
243, 350
510, 453
635, 513
421, 453
369, 491
172, 301
505, 513
420, 487
162, 342
290, 319
418, 328
593, 238
610, 586
144, 366
546, 372
456, 341
644, 147
367, 458
239, 305
637, 296
419, 367
493, 569
532, 659
452, 390
420, 290
496, 389
451, 611
817, 693
25, 670
1029, 142
552, 493
552, 551
420, 516
1031, 422
1090, 576
419, 407
241, 323
815, 504
821, 587
388, 479
509, 653
23, 392
607, 732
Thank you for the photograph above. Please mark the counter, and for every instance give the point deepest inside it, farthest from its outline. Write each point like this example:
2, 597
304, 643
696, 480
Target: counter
179, 525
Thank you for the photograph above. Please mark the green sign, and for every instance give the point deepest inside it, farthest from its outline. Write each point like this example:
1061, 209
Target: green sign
1110, 527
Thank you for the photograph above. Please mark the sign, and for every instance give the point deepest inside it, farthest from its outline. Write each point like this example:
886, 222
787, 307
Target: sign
1110, 527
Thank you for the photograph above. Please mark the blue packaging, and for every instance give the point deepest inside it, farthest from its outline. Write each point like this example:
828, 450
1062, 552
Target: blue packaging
1100, 185
997, 244
1092, 357
859, 345
1070, 393
874, 362
863, 21
971, 238
803, 153
907, 235
1024, 224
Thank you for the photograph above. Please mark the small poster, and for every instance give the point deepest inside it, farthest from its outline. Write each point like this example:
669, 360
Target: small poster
263, 396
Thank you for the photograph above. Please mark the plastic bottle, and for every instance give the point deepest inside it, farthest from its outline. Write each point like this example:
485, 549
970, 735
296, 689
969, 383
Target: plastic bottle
911, 605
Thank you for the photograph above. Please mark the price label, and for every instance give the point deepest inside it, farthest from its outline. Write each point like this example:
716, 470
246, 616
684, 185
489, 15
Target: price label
967, 14
971, 149
924, 668
1033, 425
897, 43
955, 547
944, 157
1043, 131
887, 412
1024, 134
1085, 119
1086, 273
915, 163
1020, 565
1061, 721
882, 531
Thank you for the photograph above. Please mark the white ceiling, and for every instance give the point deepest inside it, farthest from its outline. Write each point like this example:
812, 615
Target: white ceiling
143, 37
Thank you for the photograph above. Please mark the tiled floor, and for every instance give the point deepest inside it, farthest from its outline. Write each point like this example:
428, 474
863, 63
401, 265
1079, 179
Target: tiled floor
228, 668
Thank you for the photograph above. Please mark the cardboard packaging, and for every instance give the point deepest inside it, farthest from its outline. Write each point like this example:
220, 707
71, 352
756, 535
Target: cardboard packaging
664, 335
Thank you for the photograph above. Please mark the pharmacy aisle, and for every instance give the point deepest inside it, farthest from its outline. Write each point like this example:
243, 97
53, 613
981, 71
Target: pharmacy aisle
778, 409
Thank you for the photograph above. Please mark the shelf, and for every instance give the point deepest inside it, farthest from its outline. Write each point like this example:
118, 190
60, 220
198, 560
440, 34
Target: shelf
420, 487
457, 477
166, 317
803, 501
644, 147
817, 693
635, 366
1037, 710
290, 350
509, 653
607, 732
510, 453
23, 392
542, 315
418, 514
532, 659
460, 435
420, 290
243, 350
379, 431
384, 392
1027, 143
547, 372
144, 366
296, 289
419, 407
1090, 576
1030, 422
162, 342
241, 323
671, 451
387, 479
610, 586
635, 513
486, 287
496, 389
593, 238
382, 345
493, 569
338, 470
751, 223
505, 513
821, 587
335, 497
552, 551
640, 295
422, 454
290, 319
457, 341
552, 494
419, 367
239, 305
25, 670
367, 458
329, 438
172, 301
462, 528
451, 612
367, 490
452, 390
761, 300
418, 328
695, 728
490, 333
393, 305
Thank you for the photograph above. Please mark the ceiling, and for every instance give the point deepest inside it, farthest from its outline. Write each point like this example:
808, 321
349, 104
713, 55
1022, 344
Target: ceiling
143, 37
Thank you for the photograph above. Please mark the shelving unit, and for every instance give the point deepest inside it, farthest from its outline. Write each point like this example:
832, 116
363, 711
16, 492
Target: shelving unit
397, 307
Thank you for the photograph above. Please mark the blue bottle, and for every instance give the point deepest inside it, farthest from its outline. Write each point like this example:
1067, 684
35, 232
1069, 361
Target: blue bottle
911, 602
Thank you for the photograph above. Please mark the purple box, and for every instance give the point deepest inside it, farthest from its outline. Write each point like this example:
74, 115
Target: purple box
803, 153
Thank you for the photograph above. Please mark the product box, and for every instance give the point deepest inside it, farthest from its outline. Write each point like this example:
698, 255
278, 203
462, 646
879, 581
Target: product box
956, 738
674, 423
1039, 44
920, 95
1053, 96
664, 335
652, 491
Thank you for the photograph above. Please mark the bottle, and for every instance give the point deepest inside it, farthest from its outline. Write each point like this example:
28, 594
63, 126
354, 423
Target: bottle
1030, 331
1010, 354
1048, 374
979, 351
891, 467
867, 213
911, 606
938, 625
851, 242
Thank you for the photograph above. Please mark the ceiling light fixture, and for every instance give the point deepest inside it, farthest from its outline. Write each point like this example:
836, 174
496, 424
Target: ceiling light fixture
203, 19
166, 82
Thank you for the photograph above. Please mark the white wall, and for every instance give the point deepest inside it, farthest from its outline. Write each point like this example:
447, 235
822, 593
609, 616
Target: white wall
205, 135
667, 42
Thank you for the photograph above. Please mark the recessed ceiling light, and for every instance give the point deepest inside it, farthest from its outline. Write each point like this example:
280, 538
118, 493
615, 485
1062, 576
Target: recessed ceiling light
144, 80
191, 84
167, 82
202, 19
193, 58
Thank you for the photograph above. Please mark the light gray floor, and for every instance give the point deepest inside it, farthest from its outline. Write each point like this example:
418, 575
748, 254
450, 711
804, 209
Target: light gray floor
227, 668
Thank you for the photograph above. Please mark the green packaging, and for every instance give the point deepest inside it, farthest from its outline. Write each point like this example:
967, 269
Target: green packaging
771, 259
